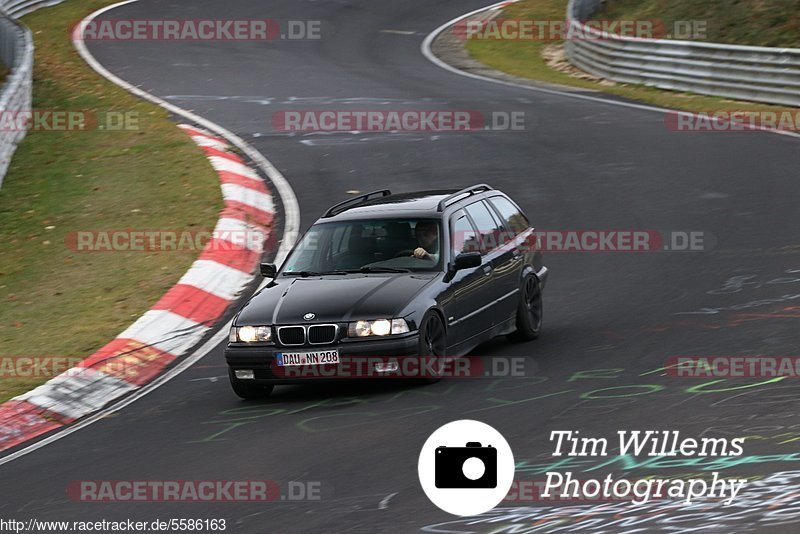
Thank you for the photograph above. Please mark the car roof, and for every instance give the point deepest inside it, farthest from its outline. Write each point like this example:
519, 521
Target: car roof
413, 204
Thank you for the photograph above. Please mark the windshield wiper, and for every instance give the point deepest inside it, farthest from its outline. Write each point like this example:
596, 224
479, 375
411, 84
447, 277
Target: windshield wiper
368, 269
305, 274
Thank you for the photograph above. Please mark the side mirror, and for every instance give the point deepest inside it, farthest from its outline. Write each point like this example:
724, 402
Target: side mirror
467, 260
268, 270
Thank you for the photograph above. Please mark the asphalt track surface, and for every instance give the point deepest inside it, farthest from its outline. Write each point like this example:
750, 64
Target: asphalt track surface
577, 165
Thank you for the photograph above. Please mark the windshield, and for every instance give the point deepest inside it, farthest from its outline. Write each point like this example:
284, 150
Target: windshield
386, 245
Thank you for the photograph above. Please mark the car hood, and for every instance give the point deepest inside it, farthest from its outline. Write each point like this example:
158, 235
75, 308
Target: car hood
333, 298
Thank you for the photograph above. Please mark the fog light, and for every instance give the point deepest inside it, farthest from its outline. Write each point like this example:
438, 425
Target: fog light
386, 367
245, 374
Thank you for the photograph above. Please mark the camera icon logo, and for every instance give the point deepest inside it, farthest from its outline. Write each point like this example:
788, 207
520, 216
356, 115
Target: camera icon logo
472, 466
466, 467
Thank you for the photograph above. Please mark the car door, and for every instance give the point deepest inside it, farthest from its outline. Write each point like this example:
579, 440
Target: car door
504, 261
521, 235
469, 290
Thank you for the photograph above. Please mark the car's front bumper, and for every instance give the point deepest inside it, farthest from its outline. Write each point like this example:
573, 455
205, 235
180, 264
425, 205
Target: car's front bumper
357, 360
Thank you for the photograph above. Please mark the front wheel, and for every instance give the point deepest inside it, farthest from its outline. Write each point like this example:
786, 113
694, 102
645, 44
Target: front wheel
248, 390
432, 346
529, 310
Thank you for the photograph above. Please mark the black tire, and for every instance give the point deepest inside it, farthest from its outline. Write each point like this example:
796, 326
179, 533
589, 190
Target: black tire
248, 390
432, 342
529, 311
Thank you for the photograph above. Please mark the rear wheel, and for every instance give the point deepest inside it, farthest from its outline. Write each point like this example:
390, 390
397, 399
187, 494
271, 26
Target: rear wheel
529, 310
249, 390
432, 346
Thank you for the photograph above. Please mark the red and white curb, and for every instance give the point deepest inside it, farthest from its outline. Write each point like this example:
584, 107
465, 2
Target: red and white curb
175, 324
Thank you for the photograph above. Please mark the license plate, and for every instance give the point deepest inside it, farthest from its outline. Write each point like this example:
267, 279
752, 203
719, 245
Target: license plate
295, 359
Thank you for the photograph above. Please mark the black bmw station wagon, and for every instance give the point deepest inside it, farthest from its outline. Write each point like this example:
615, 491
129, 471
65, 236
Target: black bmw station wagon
425, 274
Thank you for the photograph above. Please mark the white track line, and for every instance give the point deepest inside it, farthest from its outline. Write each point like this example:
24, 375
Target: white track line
428, 53
291, 227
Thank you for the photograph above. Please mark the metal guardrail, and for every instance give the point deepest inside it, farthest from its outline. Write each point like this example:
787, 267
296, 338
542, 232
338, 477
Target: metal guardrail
756, 73
16, 53
19, 8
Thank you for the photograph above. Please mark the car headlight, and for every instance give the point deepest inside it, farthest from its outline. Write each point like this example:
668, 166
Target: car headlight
250, 334
378, 327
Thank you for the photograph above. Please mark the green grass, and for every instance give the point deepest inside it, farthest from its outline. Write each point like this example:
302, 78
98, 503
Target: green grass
747, 22
525, 59
58, 302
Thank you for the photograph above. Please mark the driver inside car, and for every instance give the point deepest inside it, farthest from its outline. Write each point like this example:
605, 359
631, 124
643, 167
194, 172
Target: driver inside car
427, 234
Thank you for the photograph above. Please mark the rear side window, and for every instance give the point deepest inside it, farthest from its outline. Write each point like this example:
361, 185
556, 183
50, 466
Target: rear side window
463, 237
514, 218
490, 229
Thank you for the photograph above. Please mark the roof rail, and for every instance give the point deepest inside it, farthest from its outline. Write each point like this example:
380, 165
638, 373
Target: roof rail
343, 206
472, 190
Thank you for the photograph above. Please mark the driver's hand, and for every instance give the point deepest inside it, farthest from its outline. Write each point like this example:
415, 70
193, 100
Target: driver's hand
420, 253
